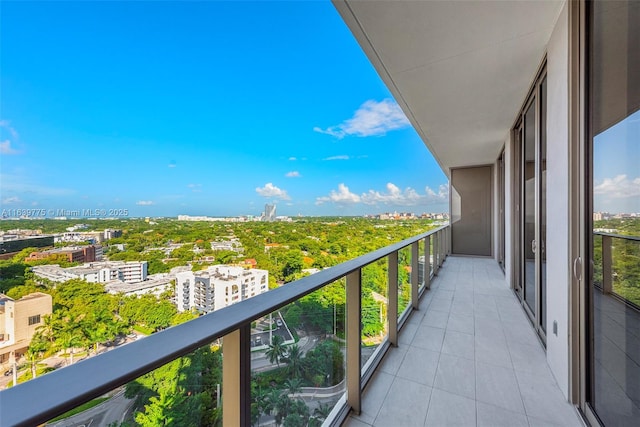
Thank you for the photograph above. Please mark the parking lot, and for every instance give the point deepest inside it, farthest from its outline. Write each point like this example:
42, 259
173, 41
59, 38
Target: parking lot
266, 328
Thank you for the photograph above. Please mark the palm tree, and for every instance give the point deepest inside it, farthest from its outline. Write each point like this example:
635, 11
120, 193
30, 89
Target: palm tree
51, 326
271, 400
94, 335
294, 385
276, 349
36, 348
70, 340
322, 411
295, 362
260, 399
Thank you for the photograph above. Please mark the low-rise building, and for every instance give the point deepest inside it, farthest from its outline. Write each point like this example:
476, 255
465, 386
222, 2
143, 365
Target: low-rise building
218, 286
96, 272
153, 285
70, 254
13, 243
19, 320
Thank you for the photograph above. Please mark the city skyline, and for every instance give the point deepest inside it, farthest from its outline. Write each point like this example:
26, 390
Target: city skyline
204, 108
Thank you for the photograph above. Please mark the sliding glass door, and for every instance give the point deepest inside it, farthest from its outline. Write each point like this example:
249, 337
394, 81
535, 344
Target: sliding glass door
530, 208
613, 232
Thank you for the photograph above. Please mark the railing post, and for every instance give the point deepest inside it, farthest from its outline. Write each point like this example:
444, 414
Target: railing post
415, 267
436, 253
354, 319
607, 271
443, 245
447, 249
236, 378
427, 262
392, 299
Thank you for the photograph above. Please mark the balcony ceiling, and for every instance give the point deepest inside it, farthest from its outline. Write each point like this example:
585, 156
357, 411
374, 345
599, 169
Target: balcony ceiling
460, 70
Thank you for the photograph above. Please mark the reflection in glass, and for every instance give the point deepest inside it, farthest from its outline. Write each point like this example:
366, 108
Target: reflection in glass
542, 250
529, 206
614, 295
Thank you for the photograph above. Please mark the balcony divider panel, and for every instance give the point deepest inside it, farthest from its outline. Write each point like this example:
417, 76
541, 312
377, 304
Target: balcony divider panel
236, 377
392, 292
414, 275
427, 262
354, 319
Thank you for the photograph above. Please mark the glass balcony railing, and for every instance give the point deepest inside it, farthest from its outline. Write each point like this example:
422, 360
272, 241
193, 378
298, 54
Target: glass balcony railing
303, 351
616, 266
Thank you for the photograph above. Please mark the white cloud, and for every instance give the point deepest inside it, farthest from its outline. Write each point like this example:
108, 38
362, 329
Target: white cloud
270, 190
293, 174
371, 119
144, 203
7, 125
5, 148
195, 188
340, 157
407, 197
11, 200
620, 187
343, 196
392, 196
293, 159
172, 165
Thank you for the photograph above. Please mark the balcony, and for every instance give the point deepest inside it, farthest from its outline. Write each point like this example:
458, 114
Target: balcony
456, 345
468, 356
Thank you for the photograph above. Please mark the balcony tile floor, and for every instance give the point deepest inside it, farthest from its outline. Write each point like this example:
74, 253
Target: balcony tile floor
468, 357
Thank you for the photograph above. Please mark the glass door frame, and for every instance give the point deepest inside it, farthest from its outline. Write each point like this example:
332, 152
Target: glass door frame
533, 100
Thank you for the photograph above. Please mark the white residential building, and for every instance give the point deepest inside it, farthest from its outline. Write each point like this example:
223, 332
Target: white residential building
155, 284
218, 286
95, 272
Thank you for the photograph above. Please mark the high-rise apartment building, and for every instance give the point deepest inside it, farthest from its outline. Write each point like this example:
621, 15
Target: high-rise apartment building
218, 286
269, 212
111, 233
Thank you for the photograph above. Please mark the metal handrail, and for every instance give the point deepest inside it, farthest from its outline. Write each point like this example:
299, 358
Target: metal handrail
48, 396
618, 236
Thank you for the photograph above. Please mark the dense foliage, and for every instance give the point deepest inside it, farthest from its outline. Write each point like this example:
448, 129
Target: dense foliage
625, 258
84, 316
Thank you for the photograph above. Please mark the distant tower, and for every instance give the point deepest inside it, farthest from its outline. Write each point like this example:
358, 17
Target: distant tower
269, 212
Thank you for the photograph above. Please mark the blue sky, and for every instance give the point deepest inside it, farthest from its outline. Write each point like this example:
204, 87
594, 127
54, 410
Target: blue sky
201, 108
616, 180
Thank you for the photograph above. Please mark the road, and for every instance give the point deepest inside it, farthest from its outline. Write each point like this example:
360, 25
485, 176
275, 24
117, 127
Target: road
112, 410
57, 361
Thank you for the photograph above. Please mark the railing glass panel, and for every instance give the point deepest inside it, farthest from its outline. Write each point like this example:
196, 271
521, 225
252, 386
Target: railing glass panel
334, 327
298, 360
185, 391
421, 265
375, 305
404, 279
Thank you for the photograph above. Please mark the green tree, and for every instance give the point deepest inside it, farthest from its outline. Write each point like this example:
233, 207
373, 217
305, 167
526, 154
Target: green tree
71, 339
294, 359
276, 349
293, 385
293, 265
37, 346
